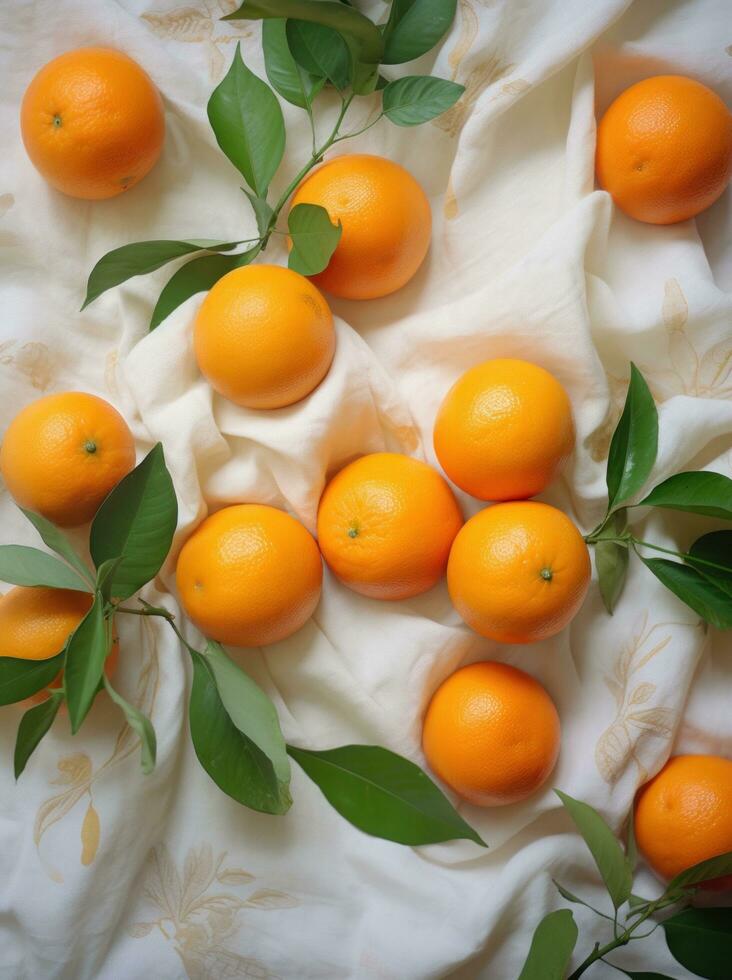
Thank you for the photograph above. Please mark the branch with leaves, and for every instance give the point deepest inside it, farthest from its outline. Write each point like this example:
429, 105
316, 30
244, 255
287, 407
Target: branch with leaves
699, 939
702, 576
234, 725
308, 45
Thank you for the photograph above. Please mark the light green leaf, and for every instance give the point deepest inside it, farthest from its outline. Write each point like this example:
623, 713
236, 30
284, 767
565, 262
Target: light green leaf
416, 99
231, 759
137, 522
320, 51
57, 541
634, 444
295, 85
696, 493
262, 212
140, 724
139, 258
551, 947
33, 726
314, 238
604, 847
384, 794
631, 845
247, 122
701, 940
611, 561
29, 566
86, 652
698, 591
20, 679
714, 867
414, 27
105, 577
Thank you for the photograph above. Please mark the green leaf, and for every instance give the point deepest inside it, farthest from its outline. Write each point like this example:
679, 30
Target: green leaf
262, 212
248, 125
634, 901
196, 276
634, 444
33, 726
58, 542
642, 974
295, 85
604, 847
551, 947
139, 258
105, 577
249, 708
140, 724
231, 759
321, 51
29, 566
701, 593
314, 238
714, 867
20, 679
86, 652
136, 521
631, 845
384, 794
701, 940
414, 27
342, 18
714, 548
696, 493
416, 99
611, 561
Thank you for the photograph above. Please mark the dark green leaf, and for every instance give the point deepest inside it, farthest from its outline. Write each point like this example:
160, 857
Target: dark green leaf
262, 212
642, 974
57, 541
701, 940
611, 561
414, 27
33, 726
231, 759
140, 724
365, 76
384, 794
136, 521
551, 947
342, 18
321, 51
196, 276
86, 652
695, 492
714, 549
105, 577
20, 679
713, 603
285, 75
314, 238
604, 847
247, 122
418, 98
29, 566
634, 444
714, 867
249, 708
139, 258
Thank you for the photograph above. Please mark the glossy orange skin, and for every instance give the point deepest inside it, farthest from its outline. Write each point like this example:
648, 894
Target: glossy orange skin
35, 624
385, 525
62, 455
264, 336
386, 219
491, 732
684, 815
92, 123
518, 572
504, 430
249, 575
664, 149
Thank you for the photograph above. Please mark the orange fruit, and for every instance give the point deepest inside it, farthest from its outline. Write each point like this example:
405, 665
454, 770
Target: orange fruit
386, 222
504, 430
664, 149
35, 624
385, 525
518, 572
264, 336
249, 575
684, 815
62, 454
92, 123
491, 732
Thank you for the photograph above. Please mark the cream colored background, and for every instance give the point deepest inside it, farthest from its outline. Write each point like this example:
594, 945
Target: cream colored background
104, 874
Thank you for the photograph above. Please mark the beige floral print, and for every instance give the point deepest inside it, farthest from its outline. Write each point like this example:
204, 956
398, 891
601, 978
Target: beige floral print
195, 913
200, 23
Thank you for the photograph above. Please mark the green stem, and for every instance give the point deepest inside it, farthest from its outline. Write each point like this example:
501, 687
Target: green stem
349, 136
620, 940
679, 554
149, 610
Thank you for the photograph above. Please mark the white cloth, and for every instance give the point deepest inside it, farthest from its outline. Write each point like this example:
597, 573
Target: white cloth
527, 260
